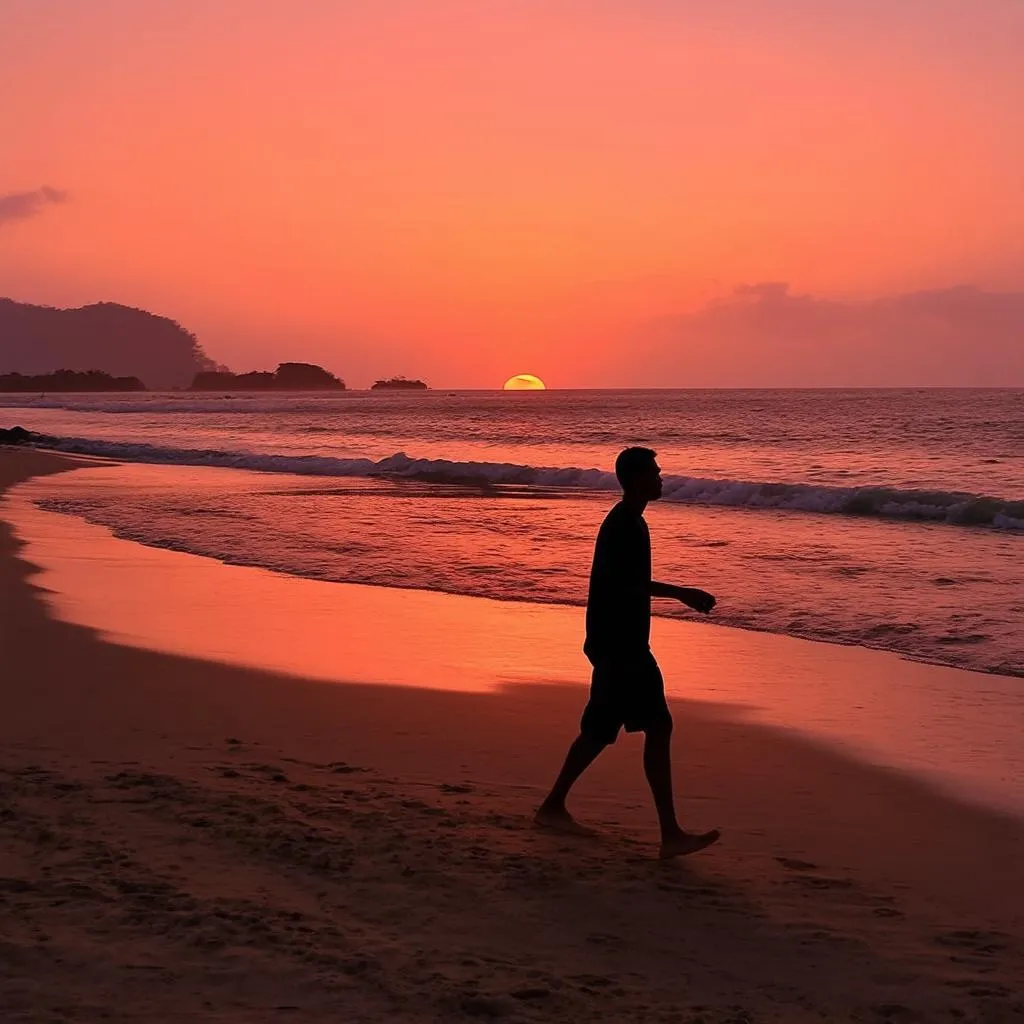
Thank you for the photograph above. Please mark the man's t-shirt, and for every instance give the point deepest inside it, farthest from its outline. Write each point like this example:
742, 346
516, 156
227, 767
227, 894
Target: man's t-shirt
619, 601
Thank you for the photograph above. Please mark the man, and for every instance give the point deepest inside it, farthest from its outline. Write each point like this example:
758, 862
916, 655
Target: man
627, 689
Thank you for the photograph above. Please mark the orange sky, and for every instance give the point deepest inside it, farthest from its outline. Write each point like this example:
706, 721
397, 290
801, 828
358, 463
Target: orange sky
467, 190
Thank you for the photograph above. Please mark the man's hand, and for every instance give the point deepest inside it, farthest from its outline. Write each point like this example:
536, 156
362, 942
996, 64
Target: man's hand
699, 600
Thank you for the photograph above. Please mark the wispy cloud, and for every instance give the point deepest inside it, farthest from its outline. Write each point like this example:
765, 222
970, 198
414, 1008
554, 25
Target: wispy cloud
22, 205
767, 335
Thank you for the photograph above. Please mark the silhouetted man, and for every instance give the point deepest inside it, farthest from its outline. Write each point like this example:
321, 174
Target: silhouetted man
627, 689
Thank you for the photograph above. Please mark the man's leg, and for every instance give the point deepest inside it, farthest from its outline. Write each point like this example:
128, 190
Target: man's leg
658, 769
581, 756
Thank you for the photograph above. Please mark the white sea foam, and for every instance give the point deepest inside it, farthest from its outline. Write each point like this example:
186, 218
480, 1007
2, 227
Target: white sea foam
952, 507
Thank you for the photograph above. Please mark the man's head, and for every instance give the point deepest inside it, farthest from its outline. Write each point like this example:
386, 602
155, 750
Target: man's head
639, 474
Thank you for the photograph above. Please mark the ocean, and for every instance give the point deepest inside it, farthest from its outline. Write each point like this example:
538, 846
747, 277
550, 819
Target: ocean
890, 519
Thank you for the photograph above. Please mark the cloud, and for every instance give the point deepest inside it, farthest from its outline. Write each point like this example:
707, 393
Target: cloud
765, 335
22, 205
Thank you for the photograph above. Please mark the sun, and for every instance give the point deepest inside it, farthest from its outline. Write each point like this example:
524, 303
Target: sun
524, 382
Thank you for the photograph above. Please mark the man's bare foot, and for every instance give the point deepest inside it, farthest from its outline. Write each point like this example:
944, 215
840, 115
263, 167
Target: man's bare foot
558, 819
687, 842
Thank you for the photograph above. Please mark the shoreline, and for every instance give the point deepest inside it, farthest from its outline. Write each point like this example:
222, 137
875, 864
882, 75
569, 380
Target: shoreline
849, 592
657, 614
952, 727
152, 837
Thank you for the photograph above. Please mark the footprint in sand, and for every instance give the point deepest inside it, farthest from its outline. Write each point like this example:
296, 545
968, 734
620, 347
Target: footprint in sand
821, 882
811, 881
266, 769
984, 943
893, 1011
531, 993
981, 989
792, 864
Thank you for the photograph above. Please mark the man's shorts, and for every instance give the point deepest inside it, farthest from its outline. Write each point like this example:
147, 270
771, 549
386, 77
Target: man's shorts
625, 693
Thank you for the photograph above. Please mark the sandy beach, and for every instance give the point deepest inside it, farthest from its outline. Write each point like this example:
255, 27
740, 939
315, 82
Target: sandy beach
184, 838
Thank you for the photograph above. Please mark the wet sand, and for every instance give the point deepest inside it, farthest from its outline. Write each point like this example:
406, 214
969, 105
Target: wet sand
182, 839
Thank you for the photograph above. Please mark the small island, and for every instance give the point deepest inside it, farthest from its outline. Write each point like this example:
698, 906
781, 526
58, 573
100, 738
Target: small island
287, 377
398, 384
69, 380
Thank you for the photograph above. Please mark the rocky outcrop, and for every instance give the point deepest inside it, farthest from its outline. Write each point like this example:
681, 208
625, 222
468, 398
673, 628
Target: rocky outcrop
398, 384
287, 377
14, 435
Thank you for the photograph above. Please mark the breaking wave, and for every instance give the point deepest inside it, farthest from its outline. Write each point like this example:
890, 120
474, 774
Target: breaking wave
952, 507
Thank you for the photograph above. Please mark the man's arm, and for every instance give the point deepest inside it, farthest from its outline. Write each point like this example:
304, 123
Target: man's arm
698, 600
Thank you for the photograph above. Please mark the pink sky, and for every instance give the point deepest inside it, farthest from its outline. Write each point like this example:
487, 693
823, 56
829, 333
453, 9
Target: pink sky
467, 190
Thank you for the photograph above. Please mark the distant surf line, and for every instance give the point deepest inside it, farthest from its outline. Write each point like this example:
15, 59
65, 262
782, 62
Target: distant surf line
955, 508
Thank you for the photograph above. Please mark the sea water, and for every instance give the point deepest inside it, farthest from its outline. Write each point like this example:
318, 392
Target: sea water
891, 519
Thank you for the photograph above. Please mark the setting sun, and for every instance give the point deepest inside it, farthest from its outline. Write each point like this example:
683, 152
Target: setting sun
524, 382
